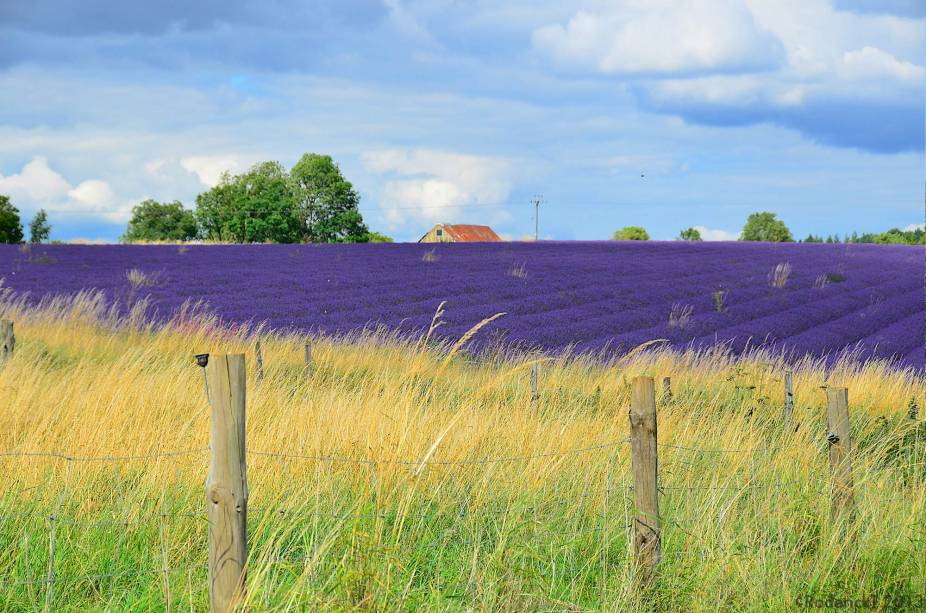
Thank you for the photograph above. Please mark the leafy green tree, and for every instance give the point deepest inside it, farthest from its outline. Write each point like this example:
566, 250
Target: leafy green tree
766, 227
894, 236
376, 237
39, 228
255, 207
326, 203
813, 238
160, 221
11, 227
689, 234
631, 233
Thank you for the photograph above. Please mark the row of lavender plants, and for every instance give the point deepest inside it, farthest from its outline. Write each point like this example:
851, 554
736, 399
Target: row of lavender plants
596, 296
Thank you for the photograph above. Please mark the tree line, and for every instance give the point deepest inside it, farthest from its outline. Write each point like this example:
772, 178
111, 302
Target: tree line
766, 227
312, 202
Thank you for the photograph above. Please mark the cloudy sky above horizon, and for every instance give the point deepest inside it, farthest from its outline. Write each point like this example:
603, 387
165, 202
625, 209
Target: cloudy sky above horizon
665, 114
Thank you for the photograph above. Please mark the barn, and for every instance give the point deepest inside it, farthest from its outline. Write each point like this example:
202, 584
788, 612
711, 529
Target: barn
460, 233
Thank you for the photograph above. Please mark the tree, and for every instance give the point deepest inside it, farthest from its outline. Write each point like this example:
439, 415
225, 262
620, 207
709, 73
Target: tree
376, 237
11, 227
894, 236
255, 207
631, 233
39, 228
326, 203
766, 227
160, 221
689, 234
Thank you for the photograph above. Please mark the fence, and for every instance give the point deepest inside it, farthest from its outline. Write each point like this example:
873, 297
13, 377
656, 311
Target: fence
227, 493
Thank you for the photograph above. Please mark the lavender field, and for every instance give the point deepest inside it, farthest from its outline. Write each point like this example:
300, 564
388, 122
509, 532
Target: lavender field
593, 296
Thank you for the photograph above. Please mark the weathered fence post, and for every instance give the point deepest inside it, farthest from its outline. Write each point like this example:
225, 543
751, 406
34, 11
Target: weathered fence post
535, 395
644, 460
227, 484
789, 401
259, 360
307, 356
667, 390
840, 444
7, 340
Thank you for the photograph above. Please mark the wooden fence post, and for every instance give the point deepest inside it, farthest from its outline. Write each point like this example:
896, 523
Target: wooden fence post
789, 401
7, 340
644, 460
535, 395
667, 389
259, 360
307, 356
227, 484
840, 444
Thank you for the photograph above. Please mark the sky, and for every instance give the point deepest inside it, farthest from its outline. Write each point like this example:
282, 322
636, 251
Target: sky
658, 113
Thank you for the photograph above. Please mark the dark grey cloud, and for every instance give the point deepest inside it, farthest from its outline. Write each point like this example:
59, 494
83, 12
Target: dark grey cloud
278, 35
93, 17
901, 8
878, 127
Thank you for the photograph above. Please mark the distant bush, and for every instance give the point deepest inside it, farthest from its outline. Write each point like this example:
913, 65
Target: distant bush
690, 234
766, 227
631, 233
160, 221
376, 237
895, 236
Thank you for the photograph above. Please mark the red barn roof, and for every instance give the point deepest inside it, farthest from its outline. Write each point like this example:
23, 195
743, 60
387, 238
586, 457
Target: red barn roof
464, 233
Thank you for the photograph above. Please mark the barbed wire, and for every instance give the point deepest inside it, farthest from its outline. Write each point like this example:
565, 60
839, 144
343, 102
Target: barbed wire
482, 461
57, 518
74, 521
106, 458
760, 485
76, 578
730, 450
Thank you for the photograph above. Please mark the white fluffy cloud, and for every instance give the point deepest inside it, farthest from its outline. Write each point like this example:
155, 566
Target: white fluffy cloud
430, 185
35, 182
650, 37
209, 168
95, 194
799, 63
39, 186
709, 234
914, 227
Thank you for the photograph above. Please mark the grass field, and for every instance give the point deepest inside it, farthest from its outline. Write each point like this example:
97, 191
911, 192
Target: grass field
430, 482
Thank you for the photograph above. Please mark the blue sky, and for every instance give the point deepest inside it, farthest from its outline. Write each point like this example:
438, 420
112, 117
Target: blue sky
462, 111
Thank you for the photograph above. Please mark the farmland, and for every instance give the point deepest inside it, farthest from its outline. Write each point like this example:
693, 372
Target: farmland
591, 297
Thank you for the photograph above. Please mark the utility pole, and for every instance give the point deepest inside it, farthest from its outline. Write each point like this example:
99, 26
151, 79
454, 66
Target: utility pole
536, 200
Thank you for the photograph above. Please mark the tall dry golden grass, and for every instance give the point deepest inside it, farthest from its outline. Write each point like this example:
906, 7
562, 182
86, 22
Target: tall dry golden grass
400, 476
